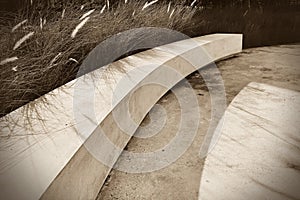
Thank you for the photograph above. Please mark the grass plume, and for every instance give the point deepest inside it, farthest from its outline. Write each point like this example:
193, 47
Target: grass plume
47, 58
149, 4
18, 25
79, 26
23, 39
8, 60
87, 14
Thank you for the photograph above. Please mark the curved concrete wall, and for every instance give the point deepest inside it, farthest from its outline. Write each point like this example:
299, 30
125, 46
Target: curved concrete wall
257, 154
54, 156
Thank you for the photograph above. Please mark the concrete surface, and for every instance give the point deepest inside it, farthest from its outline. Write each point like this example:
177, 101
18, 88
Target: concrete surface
50, 147
258, 153
276, 65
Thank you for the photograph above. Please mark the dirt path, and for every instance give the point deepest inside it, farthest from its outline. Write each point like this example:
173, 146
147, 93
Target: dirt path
278, 66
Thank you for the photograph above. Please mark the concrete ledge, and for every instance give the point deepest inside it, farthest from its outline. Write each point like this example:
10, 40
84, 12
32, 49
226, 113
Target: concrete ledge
53, 152
257, 154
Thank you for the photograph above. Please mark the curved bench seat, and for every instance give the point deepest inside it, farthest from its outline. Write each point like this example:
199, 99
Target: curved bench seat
43, 155
257, 154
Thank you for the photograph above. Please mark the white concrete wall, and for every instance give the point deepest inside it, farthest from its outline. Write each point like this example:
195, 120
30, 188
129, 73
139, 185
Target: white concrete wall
258, 153
55, 154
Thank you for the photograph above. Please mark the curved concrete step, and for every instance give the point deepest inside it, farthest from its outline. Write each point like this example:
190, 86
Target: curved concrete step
257, 153
61, 150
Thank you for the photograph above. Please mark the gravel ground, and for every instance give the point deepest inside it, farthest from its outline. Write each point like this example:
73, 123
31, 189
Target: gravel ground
277, 65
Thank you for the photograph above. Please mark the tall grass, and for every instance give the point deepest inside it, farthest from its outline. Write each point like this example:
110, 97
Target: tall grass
49, 55
44, 43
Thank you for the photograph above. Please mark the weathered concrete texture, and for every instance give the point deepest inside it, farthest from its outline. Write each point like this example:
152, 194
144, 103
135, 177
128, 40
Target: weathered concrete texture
51, 147
277, 66
257, 155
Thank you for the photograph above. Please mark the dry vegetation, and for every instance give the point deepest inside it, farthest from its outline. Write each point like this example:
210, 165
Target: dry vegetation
51, 56
45, 52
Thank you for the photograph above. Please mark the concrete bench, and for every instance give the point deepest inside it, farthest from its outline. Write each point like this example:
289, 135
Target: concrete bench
49, 152
257, 153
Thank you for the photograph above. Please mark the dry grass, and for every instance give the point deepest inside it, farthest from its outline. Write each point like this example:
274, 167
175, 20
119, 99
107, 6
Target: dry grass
50, 57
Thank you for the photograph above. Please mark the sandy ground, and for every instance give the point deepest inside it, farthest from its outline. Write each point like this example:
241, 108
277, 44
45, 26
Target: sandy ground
278, 66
